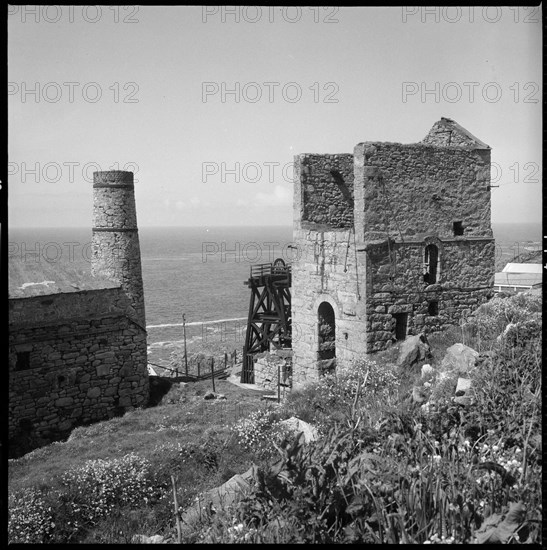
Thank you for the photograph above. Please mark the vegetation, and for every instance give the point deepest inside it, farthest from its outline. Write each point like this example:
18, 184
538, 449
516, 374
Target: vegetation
384, 469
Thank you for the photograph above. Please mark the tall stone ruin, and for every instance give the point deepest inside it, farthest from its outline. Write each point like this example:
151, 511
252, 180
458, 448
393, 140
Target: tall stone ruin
393, 240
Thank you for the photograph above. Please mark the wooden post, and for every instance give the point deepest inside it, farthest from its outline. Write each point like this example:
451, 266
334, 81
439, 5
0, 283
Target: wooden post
184, 332
279, 382
213, 373
177, 518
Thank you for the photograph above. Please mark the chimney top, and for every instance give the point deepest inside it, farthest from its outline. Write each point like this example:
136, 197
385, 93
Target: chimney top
112, 177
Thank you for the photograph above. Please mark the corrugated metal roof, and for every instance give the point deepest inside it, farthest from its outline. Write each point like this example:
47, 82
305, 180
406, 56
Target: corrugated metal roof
30, 278
517, 279
523, 268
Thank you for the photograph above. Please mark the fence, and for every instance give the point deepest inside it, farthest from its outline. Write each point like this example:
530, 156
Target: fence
200, 369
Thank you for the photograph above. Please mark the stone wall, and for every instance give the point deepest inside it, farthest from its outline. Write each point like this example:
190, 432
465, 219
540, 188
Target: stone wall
86, 362
411, 191
326, 191
409, 196
269, 366
327, 270
396, 286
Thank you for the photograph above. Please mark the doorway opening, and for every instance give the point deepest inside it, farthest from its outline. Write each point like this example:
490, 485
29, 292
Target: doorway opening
401, 325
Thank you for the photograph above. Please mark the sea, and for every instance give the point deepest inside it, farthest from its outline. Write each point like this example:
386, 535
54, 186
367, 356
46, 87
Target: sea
194, 277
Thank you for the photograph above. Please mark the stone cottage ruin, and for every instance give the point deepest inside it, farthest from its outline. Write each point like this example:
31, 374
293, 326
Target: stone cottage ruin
77, 341
394, 239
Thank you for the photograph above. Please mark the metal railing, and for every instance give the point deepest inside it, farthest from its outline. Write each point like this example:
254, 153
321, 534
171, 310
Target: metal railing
264, 270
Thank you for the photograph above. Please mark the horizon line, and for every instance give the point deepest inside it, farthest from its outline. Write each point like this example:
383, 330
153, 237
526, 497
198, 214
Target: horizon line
538, 222
144, 226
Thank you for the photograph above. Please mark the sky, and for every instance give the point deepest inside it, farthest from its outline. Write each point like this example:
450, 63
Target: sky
209, 105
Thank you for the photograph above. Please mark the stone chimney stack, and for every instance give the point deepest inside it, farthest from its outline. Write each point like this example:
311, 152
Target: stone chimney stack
115, 240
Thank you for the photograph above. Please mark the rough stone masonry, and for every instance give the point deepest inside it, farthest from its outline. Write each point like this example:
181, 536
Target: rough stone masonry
393, 240
77, 342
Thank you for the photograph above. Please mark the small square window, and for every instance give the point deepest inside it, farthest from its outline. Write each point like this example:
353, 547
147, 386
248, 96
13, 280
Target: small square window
458, 228
433, 307
23, 360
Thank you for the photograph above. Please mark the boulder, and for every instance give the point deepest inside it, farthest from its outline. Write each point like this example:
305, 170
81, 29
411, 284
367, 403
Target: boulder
463, 393
413, 350
218, 498
459, 358
464, 400
463, 386
144, 539
296, 425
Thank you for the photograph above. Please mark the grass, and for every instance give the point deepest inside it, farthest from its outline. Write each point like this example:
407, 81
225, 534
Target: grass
180, 415
384, 469
169, 435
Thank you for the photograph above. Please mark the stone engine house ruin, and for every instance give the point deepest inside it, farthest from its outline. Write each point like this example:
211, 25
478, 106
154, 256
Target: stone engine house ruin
394, 239
77, 342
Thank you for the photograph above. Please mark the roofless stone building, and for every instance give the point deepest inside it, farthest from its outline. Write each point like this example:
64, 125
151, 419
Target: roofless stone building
393, 240
77, 341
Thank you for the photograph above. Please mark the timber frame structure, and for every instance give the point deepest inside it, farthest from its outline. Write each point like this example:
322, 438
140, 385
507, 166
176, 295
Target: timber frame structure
269, 321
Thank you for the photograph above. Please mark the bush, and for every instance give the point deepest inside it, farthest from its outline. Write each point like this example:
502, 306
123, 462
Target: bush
99, 487
507, 391
453, 475
30, 518
325, 402
259, 432
347, 488
523, 334
490, 319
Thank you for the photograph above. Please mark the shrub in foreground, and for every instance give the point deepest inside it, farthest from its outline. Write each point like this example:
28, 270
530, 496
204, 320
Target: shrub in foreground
30, 518
87, 494
453, 474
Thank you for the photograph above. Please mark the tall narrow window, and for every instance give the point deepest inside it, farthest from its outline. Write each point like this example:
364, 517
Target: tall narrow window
431, 261
326, 332
458, 228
